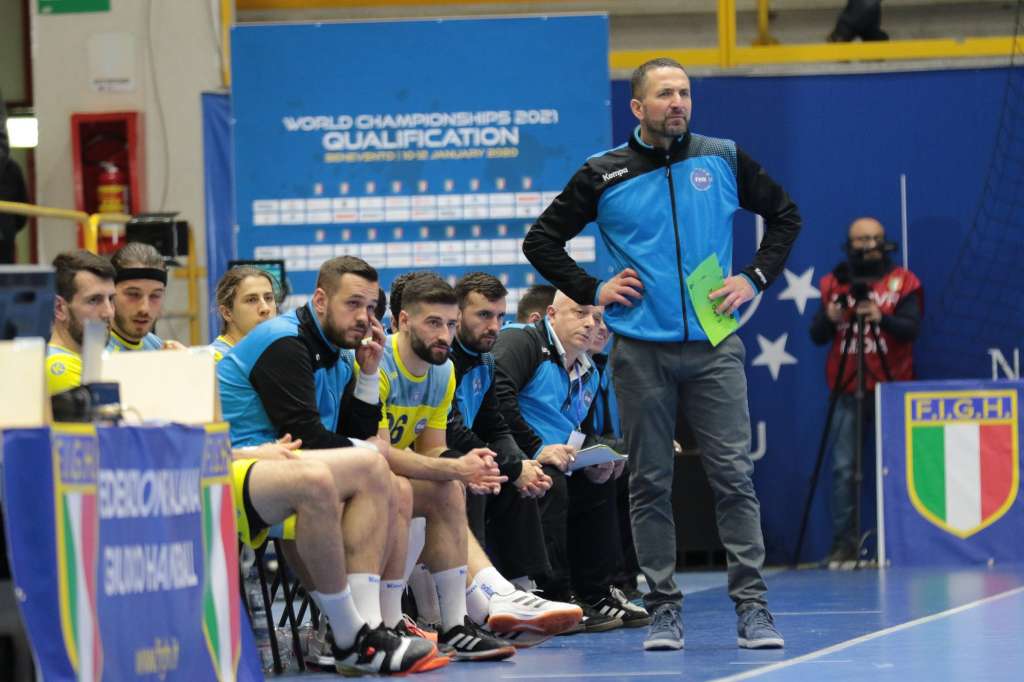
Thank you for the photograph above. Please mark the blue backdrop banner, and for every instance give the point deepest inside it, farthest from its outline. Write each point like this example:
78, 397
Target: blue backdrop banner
949, 457
366, 139
124, 551
810, 134
220, 209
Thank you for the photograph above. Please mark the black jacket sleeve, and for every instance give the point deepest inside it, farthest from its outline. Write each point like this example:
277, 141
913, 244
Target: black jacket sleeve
357, 419
283, 378
517, 353
760, 194
905, 322
491, 424
458, 435
544, 245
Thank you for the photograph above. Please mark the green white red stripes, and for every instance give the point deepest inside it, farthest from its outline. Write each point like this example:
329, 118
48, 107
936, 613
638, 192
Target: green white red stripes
220, 592
962, 473
77, 551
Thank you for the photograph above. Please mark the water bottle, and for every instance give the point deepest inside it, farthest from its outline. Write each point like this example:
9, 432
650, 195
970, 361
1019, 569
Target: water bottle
284, 648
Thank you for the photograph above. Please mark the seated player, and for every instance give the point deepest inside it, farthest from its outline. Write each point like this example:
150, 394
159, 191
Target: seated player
141, 283
507, 524
85, 291
417, 387
245, 297
334, 499
313, 373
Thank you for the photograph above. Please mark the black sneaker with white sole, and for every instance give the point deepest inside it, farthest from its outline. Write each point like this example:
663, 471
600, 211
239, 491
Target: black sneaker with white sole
379, 651
469, 642
615, 604
593, 620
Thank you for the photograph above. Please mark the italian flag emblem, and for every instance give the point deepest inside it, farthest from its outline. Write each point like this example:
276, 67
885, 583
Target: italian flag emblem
221, 602
76, 457
962, 457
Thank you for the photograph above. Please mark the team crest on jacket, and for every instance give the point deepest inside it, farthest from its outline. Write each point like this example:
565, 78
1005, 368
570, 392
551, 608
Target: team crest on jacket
701, 179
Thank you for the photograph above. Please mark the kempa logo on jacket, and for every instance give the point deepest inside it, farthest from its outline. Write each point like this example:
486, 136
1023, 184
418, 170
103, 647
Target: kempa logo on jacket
614, 174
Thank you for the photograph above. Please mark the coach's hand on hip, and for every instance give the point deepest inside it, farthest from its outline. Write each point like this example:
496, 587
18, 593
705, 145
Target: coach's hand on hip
737, 290
620, 288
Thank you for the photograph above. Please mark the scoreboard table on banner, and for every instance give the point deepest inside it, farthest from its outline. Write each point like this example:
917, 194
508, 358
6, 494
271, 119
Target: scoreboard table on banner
364, 139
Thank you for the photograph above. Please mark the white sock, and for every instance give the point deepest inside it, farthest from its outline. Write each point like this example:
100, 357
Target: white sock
451, 591
391, 601
366, 593
425, 593
342, 614
417, 539
318, 600
477, 604
492, 582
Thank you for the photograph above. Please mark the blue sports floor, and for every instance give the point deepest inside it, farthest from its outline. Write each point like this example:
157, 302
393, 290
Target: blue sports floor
898, 624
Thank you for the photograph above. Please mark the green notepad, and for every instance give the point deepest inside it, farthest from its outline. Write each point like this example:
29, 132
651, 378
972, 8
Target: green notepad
701, 282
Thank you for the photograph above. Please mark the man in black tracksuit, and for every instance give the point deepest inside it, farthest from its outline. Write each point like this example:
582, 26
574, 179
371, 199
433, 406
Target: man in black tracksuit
664, 204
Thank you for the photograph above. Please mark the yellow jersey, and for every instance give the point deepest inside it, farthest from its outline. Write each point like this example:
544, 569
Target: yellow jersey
63, 369
412, 403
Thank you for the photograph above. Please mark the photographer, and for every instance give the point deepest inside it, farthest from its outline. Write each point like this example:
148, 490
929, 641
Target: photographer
869, 288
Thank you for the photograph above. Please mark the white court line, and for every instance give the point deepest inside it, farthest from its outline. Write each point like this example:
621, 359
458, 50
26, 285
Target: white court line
820, 613
589, 675
866, 638
830, 660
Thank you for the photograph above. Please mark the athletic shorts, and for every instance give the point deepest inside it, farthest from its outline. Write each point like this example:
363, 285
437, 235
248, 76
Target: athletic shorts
252, 529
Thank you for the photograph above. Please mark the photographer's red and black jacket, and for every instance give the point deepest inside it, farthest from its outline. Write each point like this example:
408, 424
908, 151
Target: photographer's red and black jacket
888, 351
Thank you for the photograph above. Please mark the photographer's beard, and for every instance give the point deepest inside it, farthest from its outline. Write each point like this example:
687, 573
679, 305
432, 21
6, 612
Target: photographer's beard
866, 264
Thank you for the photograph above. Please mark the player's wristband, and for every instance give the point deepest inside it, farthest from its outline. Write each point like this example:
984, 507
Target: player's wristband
367, 388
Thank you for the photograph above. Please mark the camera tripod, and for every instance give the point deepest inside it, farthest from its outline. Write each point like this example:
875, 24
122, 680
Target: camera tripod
859, 397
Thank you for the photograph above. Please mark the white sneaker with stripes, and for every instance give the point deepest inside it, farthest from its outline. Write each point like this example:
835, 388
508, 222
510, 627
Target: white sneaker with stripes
521, 611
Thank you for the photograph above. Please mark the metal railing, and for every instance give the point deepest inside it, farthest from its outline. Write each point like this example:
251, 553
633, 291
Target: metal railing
90, 223
727, 54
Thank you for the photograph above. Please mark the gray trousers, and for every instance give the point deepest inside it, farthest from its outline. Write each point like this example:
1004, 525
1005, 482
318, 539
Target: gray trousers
650, 378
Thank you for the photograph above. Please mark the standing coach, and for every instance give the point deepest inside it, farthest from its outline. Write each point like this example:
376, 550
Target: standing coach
664, 202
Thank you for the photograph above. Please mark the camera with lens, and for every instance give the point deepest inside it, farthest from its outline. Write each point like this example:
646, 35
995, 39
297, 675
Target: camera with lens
862, 272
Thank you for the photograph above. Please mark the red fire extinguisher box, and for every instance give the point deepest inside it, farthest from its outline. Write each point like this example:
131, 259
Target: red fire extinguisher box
108, 166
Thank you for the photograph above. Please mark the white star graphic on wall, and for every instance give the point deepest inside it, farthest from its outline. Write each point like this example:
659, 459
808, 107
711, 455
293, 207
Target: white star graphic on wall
773, 355
799, 289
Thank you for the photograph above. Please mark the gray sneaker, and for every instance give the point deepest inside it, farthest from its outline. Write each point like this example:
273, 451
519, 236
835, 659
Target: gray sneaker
666, 631
755, 629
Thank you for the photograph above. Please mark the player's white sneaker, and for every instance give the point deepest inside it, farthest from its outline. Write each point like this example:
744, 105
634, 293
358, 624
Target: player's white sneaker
521, 611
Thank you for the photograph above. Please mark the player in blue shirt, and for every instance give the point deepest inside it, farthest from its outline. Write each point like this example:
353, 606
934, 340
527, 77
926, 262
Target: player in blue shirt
245, 297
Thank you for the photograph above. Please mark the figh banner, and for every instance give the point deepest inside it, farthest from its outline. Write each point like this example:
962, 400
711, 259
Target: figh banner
366, 139
949, 463
124, 553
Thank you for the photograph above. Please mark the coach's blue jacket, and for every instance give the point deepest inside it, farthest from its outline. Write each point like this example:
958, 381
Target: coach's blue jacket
662, 213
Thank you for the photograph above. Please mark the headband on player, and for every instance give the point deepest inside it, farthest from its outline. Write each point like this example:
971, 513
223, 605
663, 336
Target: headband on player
125, 274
